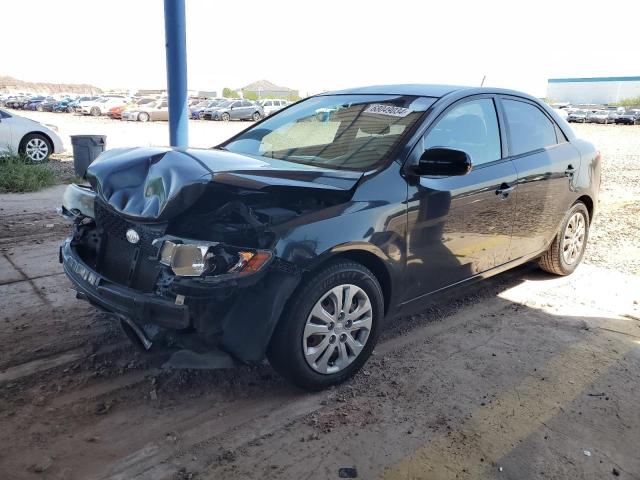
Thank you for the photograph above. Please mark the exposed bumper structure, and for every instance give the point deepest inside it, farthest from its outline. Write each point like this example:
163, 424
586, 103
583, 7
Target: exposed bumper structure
236, 317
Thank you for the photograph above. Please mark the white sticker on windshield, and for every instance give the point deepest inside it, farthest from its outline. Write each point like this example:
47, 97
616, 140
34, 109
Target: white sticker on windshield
390, 110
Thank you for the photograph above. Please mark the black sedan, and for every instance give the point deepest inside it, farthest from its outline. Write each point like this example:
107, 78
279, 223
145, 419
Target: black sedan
630, 117
298, 237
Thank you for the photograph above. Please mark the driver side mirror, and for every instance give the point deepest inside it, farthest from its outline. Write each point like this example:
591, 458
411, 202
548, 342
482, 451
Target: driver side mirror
442, 161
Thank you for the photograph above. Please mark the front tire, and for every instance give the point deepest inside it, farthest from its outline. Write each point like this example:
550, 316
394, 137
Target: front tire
256, 117
330, 328
95, 112
143, 117
225, 117
567, 249
36, 148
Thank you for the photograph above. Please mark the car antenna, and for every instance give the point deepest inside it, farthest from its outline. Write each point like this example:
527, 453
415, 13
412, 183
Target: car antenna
483, 79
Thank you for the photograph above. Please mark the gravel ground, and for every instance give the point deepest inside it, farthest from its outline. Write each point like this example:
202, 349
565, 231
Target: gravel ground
614, 240
515, 378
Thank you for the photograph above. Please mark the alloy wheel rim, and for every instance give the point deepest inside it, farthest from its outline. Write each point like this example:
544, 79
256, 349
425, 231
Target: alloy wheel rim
337, 329
573, 238
37, 149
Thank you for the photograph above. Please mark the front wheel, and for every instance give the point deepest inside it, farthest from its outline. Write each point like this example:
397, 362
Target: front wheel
330, 329
35, 147
567, 249
95, 112
225, 117
256, 117
143, 117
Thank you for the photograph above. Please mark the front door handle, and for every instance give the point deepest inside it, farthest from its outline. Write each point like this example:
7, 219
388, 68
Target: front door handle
504, 190
569, 171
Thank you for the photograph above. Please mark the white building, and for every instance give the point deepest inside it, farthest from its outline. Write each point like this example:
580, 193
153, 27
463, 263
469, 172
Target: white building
593, 90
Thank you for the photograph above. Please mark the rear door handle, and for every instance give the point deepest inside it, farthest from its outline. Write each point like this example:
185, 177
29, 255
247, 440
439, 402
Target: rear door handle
570, 171
504, 190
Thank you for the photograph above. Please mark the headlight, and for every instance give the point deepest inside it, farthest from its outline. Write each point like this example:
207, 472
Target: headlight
192, 259
79, 199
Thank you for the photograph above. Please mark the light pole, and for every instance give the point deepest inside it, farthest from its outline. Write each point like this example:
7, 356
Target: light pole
175, 26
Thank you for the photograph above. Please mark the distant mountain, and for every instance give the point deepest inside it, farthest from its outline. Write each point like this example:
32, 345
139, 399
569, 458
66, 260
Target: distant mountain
10, 84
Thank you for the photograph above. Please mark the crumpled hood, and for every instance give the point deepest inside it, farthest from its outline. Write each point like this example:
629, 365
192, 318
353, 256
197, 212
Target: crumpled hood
156, 184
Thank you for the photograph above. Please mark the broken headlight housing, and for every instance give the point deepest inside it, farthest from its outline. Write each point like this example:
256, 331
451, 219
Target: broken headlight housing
199, 259
78, 199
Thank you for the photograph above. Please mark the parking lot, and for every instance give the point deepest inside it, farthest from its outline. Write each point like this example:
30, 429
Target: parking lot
202, 134
523, 376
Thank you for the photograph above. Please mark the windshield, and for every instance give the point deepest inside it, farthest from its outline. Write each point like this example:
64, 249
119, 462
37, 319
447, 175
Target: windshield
223, 103
352, 132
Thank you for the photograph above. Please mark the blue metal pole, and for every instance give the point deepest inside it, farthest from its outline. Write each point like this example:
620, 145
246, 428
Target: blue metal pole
175, 27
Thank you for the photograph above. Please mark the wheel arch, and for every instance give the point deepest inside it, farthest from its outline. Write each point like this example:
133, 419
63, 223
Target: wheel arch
49, 140
588, 202
368, 259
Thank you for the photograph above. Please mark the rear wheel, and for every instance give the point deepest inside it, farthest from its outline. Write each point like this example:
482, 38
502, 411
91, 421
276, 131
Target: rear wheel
567, 249
35, 147
330, 329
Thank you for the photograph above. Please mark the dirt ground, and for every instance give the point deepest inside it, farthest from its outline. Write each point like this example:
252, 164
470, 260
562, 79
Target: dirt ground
523, 376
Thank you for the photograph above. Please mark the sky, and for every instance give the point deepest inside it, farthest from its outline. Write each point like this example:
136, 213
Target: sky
314, 46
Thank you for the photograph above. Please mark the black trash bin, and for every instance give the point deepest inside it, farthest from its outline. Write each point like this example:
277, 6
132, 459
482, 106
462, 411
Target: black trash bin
86, 149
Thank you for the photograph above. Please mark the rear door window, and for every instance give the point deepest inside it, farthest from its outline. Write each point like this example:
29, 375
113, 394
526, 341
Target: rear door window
529, 128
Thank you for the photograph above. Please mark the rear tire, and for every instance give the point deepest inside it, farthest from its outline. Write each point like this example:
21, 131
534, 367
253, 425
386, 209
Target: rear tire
567, 249
315, 352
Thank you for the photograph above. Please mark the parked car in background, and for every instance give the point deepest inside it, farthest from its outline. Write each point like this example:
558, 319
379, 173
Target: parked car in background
149, 112
33, 103
235, 110
599, 116
117, 111
102, 105
18, 101
630, 117
328, 228
197, 111
270, 106
47, 105
74, 105
34, 140
578, 116
64, 105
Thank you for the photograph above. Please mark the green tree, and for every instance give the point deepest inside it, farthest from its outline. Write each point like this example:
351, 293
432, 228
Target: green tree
628, 102
228, 93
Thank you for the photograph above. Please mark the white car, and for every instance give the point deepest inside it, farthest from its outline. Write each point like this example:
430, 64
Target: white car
33, 139
102, 105
271, 106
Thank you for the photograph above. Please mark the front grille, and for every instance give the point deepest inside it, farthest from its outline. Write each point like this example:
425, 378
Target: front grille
132, 265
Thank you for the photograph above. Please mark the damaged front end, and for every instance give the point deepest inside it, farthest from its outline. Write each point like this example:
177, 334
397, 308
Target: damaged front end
183, 252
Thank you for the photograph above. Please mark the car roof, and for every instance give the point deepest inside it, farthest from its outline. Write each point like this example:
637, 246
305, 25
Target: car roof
426, 90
